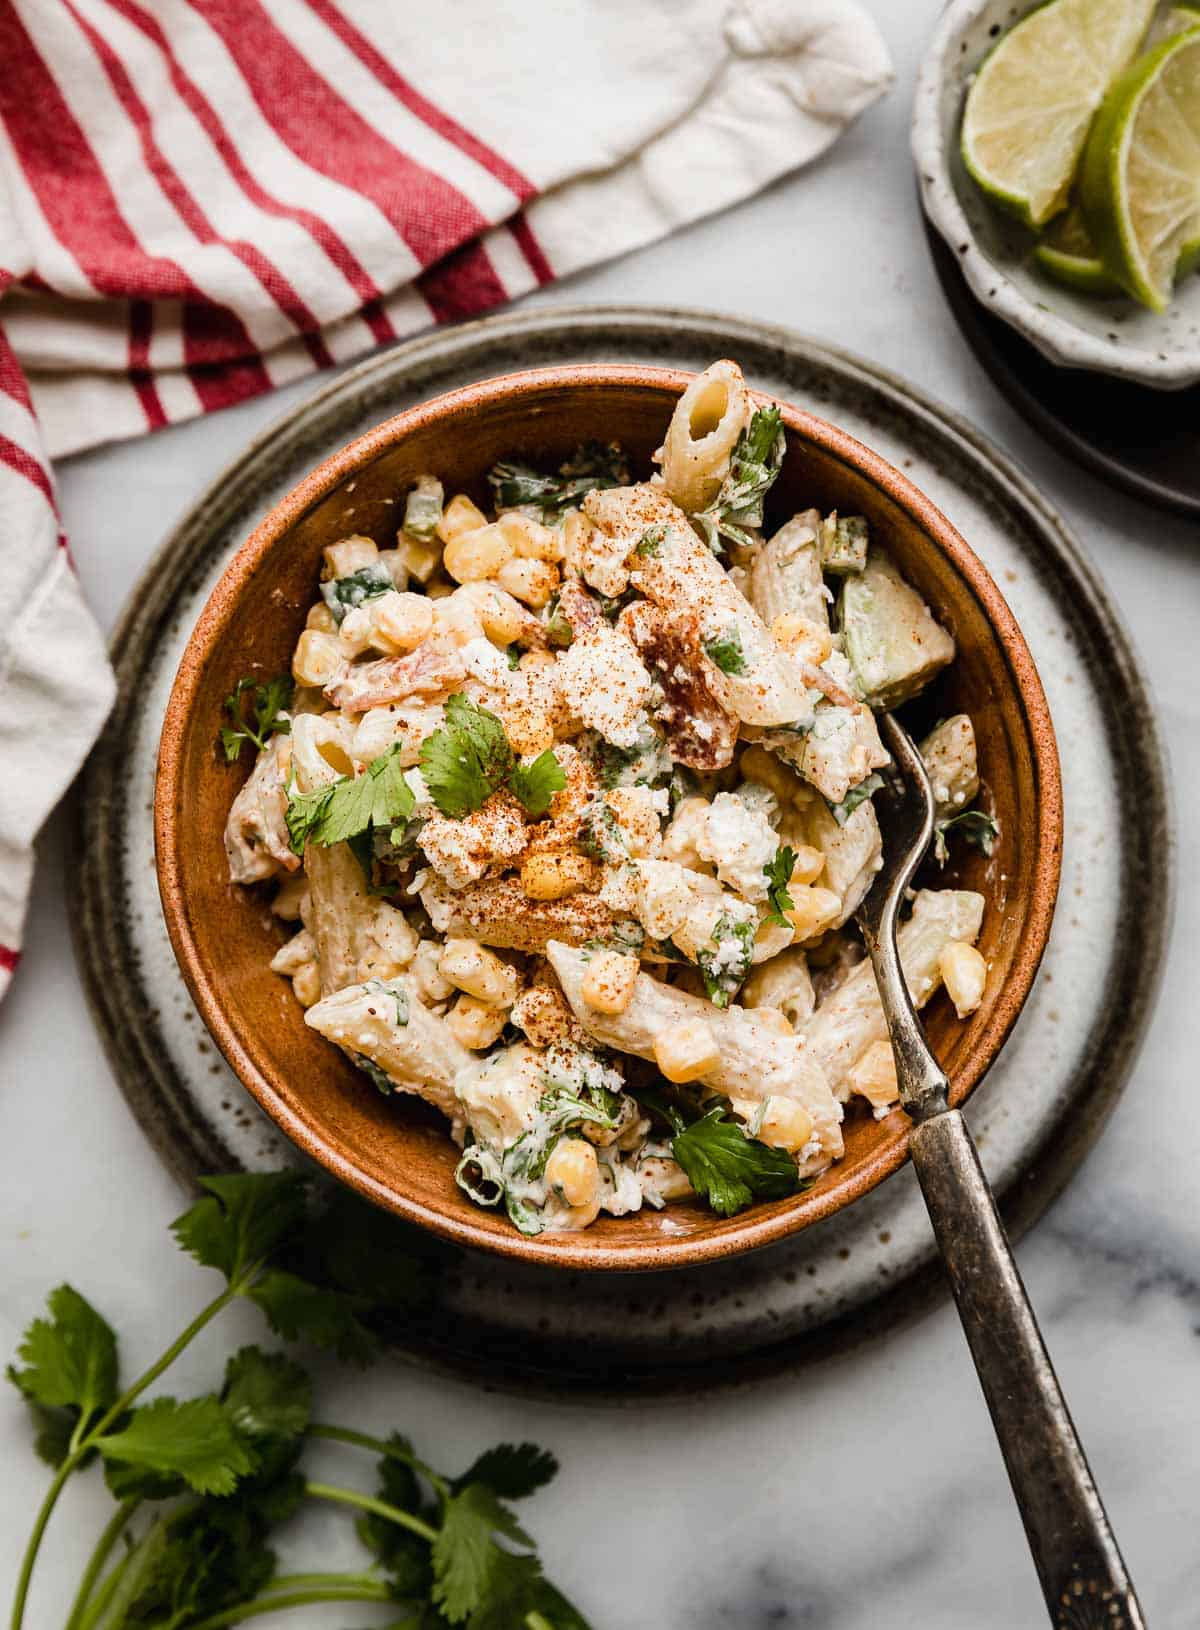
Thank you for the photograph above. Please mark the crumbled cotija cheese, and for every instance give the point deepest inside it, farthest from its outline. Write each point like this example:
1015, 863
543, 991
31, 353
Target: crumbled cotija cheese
605, 683
739, 841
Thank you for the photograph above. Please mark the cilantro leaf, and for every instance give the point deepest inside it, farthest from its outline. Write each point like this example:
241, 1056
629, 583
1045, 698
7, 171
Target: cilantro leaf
468, 760
266, 1395
301, 1311
196, 1440
511, 1470
559, 632
70, 1359
467, 1562
403, 1554
725, 649
651, 542
267, 717
753, 466
379, 798
534, 785
857, 795
241, 1220
730, 1170
778, 873
974, 825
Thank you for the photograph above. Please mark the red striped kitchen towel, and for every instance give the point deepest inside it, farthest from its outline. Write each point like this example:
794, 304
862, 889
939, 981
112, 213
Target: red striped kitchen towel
201, 199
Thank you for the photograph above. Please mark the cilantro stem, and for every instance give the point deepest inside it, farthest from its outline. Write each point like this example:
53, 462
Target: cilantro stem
329, 1581
368, 1502
377, 1446
537, 1621
96, 1609
280, 1604
109, 1536
146, 1379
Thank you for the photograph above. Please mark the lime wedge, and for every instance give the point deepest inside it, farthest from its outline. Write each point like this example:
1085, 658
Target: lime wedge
1067, 254
1028, 112
1140, 184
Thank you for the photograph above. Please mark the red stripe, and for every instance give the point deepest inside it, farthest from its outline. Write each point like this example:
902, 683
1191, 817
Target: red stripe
78, 203
194, 218
507, 174
141, 327
12, 380
430, 215
191, 95
25, 464
461, 285
530, 248
225, 382
8, 958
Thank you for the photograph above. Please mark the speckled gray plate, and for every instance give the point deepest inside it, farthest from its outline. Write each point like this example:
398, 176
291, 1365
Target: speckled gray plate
1034, 1117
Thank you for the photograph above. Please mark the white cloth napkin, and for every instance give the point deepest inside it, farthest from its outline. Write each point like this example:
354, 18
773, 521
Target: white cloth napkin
200, 201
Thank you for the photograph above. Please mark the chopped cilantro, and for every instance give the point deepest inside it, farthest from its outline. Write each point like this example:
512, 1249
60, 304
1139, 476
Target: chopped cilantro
267, 715
343, 594
534, 785
973, 825
724, 1164
725, 961
652, 541
778, 873
753, 467
725, 649
559, 632
857, 795
592, 465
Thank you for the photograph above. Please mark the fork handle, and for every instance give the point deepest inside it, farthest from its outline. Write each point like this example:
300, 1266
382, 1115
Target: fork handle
1083, 1577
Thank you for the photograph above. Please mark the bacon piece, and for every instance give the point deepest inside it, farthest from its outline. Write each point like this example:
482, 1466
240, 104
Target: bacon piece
817, 679
700, 732
580, 609
427, 671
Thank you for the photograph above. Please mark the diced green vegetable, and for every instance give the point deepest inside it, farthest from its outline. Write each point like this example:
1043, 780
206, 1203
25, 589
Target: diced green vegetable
843, 544
343, 594
423, 509
753, 466
517, 485
725, 649
893, 642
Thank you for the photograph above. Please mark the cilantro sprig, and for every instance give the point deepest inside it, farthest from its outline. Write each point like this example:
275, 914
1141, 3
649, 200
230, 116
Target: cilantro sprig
470, 758
266, 716
201, 1484
725, 649
778, 873
753, 467
379, 800
723, 1163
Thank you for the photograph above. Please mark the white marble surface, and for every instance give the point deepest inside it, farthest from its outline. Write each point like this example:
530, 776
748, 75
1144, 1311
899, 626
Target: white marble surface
862, 1495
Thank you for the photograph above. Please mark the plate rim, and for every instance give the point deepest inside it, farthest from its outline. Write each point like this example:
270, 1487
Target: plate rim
188, 1146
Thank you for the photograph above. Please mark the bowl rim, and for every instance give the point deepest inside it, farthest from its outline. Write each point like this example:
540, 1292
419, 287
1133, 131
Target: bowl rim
1057, 338
725, 1237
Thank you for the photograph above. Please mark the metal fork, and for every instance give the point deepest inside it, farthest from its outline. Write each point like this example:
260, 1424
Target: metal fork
1082, 1575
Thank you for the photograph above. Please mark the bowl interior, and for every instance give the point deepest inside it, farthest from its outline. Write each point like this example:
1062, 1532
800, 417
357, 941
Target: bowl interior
996, 253
394, 1150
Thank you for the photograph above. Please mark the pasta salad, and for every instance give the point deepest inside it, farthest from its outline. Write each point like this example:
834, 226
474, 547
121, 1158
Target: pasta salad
571, 807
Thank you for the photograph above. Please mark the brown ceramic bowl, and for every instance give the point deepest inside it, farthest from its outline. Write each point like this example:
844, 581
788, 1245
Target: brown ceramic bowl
394, 1151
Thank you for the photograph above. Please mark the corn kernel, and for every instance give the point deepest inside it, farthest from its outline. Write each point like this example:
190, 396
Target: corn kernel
501, 617
472, 556
306, 982
460, 515
432, 985
350, 555
873, 1075
808, 865
553, 877
400, 622
773, 1019
530, 538
609, 981
802, 637
686, 1051
577, 532
813, 911
474, 1023
785, 1124
295, 953
964, 972
316, 659
355, 633
759, 765
397, 567
419, 560
480, 972
574, 1171
531, 581
321, 619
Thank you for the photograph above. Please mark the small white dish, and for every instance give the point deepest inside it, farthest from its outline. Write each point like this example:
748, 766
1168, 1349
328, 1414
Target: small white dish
1111, 336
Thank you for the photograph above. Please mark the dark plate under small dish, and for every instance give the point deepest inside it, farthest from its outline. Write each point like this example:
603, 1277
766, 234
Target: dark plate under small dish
1144, 440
